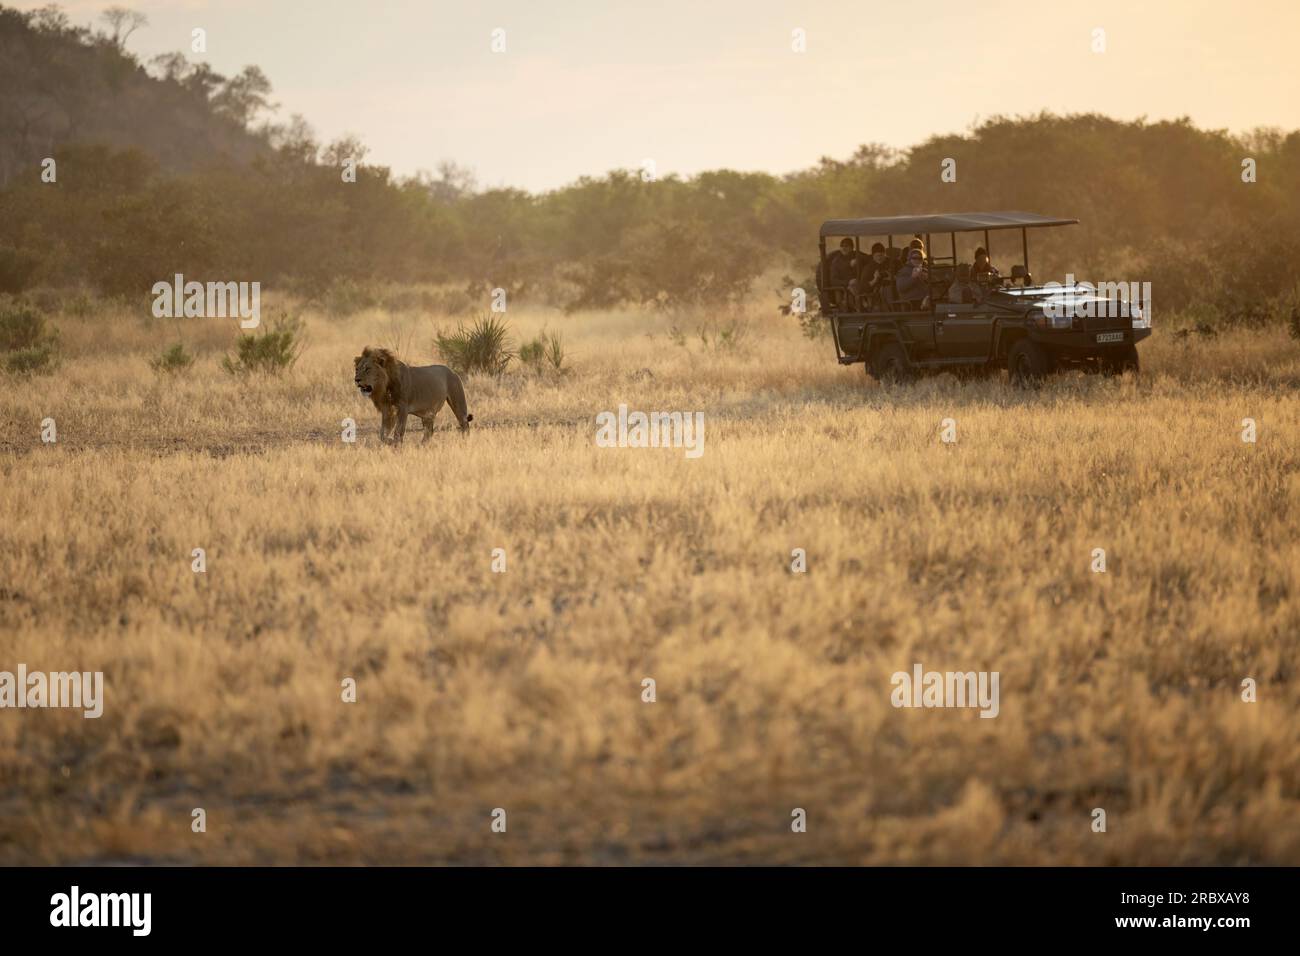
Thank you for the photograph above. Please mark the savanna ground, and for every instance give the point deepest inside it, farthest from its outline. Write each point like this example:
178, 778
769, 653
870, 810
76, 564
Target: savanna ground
523, 690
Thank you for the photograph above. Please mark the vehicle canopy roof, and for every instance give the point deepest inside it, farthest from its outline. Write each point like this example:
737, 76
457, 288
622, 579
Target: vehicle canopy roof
946, 222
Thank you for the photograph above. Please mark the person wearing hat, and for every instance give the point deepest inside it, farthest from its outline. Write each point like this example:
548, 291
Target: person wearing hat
845, 264
876, 273
913, 280
982, 271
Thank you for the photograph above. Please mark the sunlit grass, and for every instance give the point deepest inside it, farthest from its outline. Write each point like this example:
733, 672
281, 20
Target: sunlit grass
523, 690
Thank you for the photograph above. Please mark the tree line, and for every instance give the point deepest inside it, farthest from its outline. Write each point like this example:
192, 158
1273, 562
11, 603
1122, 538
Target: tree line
169, 167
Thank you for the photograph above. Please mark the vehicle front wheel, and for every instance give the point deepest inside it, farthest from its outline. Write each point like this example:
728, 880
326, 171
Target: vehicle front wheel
889, 365
1121, 361
1028, 364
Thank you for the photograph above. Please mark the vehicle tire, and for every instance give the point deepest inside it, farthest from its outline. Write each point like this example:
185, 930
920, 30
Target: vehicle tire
1028, 363
1121, 361
890, 366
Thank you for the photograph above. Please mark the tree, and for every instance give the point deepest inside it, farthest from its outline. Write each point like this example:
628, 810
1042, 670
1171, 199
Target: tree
348, 147
123, 22
244, 96
454, 183
295, 141
50, 19
172, 67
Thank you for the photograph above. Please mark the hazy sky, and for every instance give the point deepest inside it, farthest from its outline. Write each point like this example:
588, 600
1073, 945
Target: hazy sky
585, 86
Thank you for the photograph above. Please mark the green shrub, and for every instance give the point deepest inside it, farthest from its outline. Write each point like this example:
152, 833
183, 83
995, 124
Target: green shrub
547, 350
21, 327
482, 346
27, 344
272, 351
811, 322
175, 359
724, 334
35, 360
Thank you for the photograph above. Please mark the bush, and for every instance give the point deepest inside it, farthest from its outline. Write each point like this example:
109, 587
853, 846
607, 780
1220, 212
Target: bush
274, 350
408, 299
346, 297
27, 343
21, 327
545, 350
725, 334
480, 347
811, 322
175, 359
1234, 280
667, 265
30, 361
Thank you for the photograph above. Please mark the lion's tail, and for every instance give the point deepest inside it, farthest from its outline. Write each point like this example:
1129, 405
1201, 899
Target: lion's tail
456, 399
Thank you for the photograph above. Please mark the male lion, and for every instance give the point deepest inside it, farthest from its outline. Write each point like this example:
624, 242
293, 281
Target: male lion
399, 390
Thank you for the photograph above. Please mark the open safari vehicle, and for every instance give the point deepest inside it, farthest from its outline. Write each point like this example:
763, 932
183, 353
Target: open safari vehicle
968, 322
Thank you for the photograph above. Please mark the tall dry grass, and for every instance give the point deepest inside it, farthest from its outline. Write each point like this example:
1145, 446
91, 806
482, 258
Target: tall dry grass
522, 690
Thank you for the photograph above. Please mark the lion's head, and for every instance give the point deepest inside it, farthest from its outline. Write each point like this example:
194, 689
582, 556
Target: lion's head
376, 373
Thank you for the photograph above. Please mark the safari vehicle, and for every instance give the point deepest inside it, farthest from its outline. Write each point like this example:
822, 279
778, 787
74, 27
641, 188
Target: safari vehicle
1005, 322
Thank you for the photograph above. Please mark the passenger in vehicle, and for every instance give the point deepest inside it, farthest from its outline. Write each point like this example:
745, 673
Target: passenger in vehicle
917, 243
877, 272
893, 262
963, 291
913, 280
845, 263
982, 271
840, 270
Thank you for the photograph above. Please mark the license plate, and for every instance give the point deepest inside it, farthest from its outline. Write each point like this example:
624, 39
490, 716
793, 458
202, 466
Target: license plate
1110, 336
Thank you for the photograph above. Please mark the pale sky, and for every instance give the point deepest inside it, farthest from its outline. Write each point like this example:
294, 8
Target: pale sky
586, 86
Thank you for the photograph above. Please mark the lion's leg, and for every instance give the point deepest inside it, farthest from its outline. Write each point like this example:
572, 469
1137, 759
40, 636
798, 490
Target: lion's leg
385, 424
400, 431
428, 423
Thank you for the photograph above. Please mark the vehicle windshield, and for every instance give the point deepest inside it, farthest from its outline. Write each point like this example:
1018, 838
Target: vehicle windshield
1063, 292
1039, 290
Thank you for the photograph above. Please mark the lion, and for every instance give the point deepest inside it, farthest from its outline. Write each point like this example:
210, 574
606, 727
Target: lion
399, 390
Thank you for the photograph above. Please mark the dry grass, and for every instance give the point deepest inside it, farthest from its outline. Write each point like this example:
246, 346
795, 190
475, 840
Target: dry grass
522, 690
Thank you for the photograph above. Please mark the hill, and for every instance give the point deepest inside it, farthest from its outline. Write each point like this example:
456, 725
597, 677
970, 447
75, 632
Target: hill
62, 85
